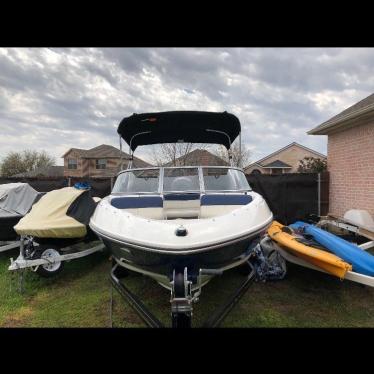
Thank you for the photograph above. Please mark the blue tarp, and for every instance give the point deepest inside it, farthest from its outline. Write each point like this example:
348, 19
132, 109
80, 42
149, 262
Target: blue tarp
82, 186
361, 261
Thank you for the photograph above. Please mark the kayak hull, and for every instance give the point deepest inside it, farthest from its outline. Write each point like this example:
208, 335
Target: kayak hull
322, 259
362, 262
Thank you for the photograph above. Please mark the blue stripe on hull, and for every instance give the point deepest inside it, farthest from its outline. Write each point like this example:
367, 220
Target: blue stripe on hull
133, 202
182, 197
216, 199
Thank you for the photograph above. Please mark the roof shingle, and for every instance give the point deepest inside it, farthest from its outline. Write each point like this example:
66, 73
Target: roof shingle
353, 111
277, 164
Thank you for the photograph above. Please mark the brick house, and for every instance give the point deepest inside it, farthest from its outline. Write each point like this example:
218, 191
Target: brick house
100, 161
284, 160
350, 157
198, 157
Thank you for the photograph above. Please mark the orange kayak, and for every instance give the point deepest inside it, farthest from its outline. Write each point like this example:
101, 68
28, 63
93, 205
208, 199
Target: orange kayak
324, 260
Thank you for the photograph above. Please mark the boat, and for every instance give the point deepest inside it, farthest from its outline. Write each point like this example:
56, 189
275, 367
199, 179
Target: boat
57, 222
181, 224
362, 262
296, 245
16, 199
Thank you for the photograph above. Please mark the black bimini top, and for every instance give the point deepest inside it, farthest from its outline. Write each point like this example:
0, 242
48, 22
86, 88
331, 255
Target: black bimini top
179, 126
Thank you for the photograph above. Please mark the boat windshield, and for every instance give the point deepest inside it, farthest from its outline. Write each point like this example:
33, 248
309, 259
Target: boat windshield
137, 181
223, 179
181, 179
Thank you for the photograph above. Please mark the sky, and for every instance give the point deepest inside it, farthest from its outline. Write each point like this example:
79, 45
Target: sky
54, 99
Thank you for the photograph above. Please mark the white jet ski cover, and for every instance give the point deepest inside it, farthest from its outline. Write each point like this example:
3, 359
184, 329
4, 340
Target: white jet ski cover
62, 213
16, 198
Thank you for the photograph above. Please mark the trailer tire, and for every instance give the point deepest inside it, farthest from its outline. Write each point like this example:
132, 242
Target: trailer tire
48, 270
180, 319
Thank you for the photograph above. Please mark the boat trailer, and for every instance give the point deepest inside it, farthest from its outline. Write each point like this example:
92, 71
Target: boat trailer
8, 245
182, 297
49, 262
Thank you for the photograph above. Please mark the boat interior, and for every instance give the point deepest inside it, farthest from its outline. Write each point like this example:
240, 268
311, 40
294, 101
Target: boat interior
168, 193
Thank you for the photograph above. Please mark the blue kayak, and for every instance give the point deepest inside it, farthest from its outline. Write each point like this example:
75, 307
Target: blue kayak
361, 261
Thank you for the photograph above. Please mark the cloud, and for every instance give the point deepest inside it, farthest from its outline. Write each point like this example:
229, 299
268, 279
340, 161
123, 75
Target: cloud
57, 98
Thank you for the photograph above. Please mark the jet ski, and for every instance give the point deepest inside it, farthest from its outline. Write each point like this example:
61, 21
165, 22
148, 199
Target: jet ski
16, 199
55, 223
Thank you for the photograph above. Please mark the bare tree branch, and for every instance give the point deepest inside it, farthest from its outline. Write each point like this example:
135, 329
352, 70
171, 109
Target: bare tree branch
174, 154
22, 162
240, 156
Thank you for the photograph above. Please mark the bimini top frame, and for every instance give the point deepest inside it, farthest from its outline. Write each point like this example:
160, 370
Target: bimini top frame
179, 127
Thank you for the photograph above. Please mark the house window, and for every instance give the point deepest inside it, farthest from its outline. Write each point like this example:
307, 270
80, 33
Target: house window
101, 163
72, 163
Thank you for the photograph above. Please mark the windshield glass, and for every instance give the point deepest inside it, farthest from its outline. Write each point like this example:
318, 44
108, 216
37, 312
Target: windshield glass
181, 179
221, 179
137, 181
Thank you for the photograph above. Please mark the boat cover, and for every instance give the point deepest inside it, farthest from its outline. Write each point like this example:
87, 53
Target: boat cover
322, 259
16, 200
62, 213
362, 262
179, 126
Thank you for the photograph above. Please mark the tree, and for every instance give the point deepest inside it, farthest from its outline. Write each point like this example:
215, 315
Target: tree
22, 162
174, 154
312, 165
240, 155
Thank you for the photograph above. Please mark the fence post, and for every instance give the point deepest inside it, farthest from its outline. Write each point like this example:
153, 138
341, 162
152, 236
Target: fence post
319, 194
111, 184
69, 182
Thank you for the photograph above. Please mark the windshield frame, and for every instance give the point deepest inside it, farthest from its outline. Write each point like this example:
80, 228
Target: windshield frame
200, 175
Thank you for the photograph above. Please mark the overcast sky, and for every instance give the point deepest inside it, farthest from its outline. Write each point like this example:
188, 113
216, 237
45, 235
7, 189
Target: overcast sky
58, 98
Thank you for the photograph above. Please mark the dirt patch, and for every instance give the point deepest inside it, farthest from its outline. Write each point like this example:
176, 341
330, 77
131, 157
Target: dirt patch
17, 319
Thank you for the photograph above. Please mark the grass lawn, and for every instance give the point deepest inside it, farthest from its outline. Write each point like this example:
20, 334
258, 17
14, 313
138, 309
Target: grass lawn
80, 295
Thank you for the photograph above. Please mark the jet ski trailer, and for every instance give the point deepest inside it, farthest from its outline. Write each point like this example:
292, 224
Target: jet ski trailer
53, 230
16, 200
180, 226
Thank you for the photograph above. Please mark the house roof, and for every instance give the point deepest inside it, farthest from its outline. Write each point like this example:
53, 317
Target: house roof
277, 164
79, 151
262, 160
106, 151
46, 171
200, 157
343, 119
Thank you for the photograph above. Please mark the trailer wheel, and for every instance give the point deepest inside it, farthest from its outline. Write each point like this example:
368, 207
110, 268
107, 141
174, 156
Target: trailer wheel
48, 252
180, 319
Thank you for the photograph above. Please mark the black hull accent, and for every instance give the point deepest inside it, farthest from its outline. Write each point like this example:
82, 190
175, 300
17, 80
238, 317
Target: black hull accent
164, 263
64, 242
6, 227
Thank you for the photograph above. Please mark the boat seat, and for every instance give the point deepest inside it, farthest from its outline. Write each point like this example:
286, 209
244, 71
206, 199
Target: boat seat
145, 206
183, 205
218, 204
